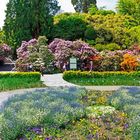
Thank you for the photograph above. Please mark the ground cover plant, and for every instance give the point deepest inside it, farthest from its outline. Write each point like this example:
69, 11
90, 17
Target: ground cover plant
49, 109
127, 99
103, 78
64, 113
15, 80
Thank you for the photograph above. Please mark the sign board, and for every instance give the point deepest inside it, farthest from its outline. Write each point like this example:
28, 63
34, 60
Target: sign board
73, 63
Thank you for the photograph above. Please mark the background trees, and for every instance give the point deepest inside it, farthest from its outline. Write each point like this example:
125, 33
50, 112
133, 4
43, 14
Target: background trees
82, 5
69, 27
129, 7
29, 19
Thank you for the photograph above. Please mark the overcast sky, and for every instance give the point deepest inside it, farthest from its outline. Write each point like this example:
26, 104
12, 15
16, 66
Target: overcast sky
65, 5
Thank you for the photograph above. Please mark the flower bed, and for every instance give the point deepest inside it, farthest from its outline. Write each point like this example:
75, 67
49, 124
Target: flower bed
63, 113
103, 78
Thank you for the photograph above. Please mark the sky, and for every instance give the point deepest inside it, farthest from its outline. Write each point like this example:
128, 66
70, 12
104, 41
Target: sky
65, 5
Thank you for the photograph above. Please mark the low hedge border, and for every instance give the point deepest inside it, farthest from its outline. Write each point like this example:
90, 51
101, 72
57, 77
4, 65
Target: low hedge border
32, 75
103, 78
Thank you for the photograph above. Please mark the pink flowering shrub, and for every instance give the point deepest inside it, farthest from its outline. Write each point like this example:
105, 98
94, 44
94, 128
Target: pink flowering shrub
63, 50
4, 51
34, 52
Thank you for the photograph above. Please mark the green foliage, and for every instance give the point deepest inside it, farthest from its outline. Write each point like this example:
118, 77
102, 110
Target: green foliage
129, 7
82, 5
103, 36
15, 80
112, 28
51, 108
94, 11
111, 47
2, 37
90, 33
102, 78
134, 34
69, 27
28, 19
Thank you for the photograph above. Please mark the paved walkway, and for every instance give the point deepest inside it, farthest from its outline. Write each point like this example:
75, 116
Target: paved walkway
56, 80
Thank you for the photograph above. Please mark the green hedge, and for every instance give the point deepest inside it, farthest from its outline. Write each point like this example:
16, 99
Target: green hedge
19, 80
103, 78
32, 75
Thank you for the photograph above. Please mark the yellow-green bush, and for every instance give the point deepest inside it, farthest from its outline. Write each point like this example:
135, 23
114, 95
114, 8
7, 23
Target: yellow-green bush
103, 78
19, 80
32, 75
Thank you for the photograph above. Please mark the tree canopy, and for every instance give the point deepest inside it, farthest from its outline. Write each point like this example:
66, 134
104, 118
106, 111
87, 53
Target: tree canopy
82, 5
28, 19
130, 7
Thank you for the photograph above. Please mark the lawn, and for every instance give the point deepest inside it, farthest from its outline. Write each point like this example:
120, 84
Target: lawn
67, 113
12, 81
102, 78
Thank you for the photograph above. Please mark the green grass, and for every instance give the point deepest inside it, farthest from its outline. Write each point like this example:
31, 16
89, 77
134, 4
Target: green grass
105, 81
103, 78
12, 81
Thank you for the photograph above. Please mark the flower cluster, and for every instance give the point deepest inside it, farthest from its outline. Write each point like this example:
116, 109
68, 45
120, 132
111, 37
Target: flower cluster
63, 50
34, 52
4, 51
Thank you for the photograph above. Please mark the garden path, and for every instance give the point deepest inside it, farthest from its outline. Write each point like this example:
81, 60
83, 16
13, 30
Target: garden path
56, 80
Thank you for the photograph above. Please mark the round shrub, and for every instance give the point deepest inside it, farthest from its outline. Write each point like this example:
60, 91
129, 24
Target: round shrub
90, 33
71, 27
111, 47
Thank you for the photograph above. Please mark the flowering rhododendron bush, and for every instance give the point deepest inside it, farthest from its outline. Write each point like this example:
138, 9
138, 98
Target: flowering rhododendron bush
4, 51
63, 50
126, 60
34, 52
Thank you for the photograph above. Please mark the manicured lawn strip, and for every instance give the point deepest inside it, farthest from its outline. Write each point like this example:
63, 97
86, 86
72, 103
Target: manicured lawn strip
102, 78
12, 81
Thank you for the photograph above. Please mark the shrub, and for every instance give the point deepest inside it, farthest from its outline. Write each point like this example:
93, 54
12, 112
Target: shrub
111, 47
102, 78
22, 80
34, 52
117, 25
70, 27
63, 50
134, 34
90, 33
22, 75
5, 51
49, 108
129, 63
103, 36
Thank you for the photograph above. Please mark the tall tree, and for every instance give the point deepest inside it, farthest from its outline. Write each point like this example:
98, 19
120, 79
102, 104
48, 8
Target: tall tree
83, 5
26, 19
129, 7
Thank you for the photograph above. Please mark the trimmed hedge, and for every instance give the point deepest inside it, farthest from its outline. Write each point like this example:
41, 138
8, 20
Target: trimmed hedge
103, 78
29, 75
19, 80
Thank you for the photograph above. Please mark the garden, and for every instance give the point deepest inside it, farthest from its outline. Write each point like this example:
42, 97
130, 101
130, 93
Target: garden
91, 47
67, 113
